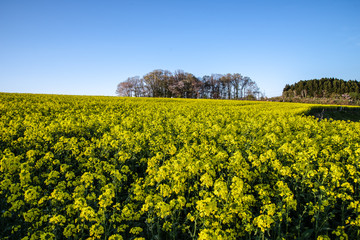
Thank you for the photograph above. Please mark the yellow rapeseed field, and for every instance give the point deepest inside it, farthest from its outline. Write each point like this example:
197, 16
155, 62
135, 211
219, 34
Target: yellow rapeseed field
81, 167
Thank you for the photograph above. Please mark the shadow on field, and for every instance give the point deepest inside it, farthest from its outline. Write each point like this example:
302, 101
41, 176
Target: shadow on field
336, 113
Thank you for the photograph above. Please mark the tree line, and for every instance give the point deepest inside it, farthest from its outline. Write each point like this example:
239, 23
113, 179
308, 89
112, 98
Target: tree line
324, 87
180, 84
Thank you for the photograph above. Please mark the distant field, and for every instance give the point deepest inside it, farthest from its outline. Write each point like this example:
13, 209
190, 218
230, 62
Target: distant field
80, 167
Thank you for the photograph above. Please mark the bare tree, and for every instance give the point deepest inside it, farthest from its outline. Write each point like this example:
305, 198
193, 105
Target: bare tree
236, 80
243, 85
214, 82
124, 89
185, 85
158, 83
139, 87
206, 87
177, 83
226, 85
252, 90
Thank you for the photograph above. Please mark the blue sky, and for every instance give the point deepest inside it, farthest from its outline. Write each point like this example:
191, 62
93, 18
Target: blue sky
87, 47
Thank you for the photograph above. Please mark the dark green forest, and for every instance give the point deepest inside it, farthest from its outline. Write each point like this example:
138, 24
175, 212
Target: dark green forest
323, 88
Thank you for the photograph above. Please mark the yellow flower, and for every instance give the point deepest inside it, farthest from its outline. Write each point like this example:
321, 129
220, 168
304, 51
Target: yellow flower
115, 237
206, 180
263, 222
31, 194
220, 189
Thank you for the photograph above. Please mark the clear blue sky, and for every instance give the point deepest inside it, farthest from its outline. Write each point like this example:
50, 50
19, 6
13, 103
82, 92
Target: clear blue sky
87, 47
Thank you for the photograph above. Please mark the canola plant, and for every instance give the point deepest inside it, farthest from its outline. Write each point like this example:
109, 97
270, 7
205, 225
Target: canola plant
81, 167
